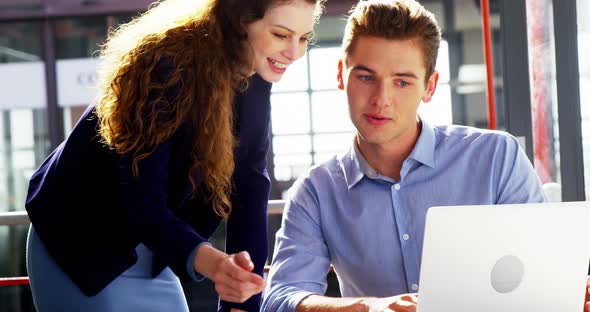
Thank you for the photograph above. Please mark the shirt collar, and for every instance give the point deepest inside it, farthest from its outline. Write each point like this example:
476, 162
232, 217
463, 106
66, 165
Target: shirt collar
355, 166
423, 151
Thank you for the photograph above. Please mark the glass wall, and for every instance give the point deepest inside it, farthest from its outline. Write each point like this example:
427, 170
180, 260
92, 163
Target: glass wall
583, 8
23, 143
77, 44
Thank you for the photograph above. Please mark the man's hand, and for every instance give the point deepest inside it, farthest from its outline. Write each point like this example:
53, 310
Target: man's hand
400, 303
231, 274
403, 303
587, 301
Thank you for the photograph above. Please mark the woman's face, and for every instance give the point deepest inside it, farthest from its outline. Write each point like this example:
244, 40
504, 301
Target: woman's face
280, 38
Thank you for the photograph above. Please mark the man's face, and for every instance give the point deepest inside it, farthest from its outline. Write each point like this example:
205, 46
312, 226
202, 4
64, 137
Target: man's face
384, 82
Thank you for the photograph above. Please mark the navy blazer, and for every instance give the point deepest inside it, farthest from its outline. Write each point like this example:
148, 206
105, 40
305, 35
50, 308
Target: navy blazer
91, 212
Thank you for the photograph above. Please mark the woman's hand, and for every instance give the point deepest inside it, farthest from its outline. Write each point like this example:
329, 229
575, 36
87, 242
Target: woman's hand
233, 279
231, 274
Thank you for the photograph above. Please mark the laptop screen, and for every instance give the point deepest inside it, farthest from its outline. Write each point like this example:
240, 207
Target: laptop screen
524, 257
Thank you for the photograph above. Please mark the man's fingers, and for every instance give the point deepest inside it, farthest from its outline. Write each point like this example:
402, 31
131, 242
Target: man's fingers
406, 303
410, 298
402, 306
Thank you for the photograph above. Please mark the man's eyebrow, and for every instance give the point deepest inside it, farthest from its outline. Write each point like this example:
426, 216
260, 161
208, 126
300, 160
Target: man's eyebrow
405, 74
394, 74
363, 68
290, 30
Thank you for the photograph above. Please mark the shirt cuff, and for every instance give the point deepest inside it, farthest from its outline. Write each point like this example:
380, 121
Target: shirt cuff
190, 264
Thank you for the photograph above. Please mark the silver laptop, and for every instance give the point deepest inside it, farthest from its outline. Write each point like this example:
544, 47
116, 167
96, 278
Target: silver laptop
525, 257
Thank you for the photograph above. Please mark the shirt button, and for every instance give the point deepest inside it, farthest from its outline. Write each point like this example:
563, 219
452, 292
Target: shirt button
406, 237
414, 287
397, 187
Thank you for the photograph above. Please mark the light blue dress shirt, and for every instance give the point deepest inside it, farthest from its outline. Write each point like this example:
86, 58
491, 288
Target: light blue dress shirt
371, 227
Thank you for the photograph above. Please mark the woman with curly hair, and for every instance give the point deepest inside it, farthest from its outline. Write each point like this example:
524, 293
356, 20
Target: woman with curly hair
176, 142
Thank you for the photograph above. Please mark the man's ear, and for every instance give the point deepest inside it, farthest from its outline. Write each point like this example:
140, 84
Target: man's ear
430, 87
339, 77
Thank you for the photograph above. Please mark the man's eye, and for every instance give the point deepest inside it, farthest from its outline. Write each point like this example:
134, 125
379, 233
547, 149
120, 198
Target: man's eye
403, 83
366, 78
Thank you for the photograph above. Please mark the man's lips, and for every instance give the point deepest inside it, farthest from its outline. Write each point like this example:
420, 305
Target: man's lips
377, 119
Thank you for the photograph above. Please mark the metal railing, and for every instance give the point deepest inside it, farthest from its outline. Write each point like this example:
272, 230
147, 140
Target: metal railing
14, 218
275, 207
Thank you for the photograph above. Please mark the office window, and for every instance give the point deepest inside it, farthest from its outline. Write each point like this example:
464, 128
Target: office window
439, 110
306, 106
23, 137
23, 142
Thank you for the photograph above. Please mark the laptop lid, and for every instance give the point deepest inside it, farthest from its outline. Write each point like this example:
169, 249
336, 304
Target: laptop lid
524, 257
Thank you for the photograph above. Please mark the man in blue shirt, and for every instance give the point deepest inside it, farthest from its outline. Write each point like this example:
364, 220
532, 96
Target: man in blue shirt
364, 212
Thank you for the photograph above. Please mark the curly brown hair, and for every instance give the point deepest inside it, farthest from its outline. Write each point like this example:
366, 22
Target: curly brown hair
205, 42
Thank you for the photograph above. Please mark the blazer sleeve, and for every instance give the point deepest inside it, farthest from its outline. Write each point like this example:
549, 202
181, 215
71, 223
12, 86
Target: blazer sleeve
247, 224
145, 200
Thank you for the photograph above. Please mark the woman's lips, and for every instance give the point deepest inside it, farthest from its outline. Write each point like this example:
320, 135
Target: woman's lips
276, 66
